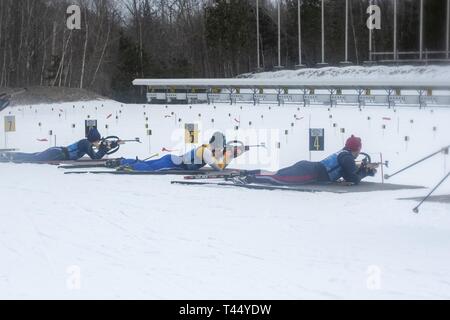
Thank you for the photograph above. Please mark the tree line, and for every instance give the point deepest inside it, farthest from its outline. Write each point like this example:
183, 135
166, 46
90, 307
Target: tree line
121, 40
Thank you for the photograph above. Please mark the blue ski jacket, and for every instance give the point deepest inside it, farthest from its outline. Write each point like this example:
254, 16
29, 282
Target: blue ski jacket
342, 165
79, 149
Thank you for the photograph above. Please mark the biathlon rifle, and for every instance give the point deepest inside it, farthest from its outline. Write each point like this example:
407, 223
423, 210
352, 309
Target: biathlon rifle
114, 143
367, 162
240, 144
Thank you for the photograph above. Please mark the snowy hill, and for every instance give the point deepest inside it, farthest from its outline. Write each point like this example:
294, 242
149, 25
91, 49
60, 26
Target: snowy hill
89, 236
388, 73
39, 95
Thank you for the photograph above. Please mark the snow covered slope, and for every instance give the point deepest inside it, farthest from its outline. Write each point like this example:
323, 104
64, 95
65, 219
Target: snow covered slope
388, 73
95, 236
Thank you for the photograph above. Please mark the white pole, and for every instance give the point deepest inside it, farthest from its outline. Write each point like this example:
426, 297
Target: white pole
395, 29
346, 30
300, 34
421, 30
323, 33
448, 29
279, 33
257, 36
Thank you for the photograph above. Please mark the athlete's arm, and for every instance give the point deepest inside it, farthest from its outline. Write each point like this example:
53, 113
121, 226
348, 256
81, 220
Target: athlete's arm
349, 169
211, 160
87, 147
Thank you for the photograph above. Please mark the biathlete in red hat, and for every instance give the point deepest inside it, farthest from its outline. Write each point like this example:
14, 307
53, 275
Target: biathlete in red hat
338, 165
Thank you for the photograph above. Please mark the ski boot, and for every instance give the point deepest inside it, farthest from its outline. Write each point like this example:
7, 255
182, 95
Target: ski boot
113, 163
125, 168
4, 157
240, 179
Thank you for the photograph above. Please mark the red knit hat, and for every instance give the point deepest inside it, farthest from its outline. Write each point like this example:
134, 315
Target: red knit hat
353, 144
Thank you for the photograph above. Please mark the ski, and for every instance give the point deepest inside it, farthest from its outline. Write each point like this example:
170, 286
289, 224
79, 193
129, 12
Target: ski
53, 163
81, 162
331, 187
99, 164
213, 176
130, 173
81, 166
87, 160
144, 173
305, 188
59, 162
8, 150
84, 165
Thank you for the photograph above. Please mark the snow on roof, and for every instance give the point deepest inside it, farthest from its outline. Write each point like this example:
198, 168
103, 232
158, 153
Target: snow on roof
291, 83
375, 77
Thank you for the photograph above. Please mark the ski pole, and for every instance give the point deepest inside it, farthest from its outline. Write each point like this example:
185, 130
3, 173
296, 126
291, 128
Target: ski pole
416, 209
387, 176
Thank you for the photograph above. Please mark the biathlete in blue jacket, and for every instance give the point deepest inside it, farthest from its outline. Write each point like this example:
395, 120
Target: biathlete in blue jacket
73, 152
338, 165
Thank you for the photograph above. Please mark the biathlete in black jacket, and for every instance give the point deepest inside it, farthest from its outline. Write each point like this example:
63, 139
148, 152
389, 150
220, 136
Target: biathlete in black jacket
338, 165
73, 152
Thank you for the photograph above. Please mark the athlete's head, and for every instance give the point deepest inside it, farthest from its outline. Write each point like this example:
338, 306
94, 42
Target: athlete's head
354, 145
218, 142
94, 136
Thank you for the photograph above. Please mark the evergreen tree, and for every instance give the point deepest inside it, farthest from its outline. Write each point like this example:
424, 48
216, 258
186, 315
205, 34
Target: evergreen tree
128, 68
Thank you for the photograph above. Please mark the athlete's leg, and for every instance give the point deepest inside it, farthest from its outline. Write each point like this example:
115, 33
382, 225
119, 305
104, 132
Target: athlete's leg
168, 162
300, 173
52, 154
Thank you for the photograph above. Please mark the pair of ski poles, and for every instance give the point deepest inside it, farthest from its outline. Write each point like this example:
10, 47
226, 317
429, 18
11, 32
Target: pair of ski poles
444, 150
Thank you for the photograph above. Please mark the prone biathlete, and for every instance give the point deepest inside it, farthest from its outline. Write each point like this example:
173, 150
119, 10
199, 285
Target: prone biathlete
339, 165
74, 151
215, 154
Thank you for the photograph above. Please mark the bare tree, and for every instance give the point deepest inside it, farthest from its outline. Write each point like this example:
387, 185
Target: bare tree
86, 39
104, 49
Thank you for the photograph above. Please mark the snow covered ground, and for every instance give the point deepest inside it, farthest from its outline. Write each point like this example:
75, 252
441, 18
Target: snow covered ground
91, 236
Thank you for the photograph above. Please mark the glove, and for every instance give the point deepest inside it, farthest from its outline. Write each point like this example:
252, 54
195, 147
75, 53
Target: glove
237, 151
371, 172
113, 145
367, 172
103, 145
